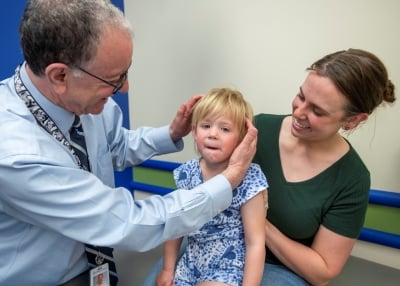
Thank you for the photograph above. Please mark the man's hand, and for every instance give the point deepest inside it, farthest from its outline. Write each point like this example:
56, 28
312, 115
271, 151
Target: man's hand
242, 156
181, 124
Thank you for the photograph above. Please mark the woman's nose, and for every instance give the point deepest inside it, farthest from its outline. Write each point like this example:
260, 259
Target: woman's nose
299, 110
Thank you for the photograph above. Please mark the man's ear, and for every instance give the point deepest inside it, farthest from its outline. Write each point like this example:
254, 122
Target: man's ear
57, 74
353, 121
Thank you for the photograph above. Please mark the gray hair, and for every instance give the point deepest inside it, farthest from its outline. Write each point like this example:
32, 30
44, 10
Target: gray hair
66, 31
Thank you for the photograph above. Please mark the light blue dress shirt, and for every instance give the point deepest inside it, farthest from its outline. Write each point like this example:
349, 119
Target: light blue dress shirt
49, 207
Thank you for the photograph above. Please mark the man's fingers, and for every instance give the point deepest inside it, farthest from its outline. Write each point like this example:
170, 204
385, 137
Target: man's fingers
192, 101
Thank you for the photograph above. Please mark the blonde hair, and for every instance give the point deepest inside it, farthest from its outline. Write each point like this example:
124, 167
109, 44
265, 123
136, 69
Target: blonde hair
224, 101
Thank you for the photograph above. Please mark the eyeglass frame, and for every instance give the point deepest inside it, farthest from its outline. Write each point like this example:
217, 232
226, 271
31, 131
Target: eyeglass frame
116, 87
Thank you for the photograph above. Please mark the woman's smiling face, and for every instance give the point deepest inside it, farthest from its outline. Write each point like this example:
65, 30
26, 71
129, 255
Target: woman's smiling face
318, 110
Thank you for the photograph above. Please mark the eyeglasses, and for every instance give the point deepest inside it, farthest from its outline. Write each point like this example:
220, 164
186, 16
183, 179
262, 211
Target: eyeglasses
117, 86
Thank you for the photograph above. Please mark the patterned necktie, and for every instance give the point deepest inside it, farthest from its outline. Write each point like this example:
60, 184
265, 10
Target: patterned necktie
96, 255
78, 143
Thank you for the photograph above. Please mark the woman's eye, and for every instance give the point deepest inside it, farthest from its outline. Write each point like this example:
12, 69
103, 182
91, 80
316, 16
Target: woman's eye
318, 112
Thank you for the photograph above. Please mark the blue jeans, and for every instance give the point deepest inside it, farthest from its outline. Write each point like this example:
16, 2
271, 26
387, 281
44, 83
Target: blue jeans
279, 275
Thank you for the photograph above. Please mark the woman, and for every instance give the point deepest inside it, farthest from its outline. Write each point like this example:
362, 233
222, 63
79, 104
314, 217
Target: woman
318, 184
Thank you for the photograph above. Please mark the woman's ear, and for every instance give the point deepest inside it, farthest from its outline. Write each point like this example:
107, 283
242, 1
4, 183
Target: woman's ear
353, 121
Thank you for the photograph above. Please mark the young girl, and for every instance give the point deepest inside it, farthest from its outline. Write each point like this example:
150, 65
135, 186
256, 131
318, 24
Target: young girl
229, 249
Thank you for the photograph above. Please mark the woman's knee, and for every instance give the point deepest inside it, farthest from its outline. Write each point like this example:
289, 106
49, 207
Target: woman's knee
279, 275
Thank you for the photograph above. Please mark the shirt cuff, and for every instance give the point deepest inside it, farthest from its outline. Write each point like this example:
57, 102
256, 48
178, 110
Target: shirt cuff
164, 142
220, 191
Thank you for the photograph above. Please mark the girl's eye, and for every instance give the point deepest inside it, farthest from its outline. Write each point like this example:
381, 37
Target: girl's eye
300, 96
225, 129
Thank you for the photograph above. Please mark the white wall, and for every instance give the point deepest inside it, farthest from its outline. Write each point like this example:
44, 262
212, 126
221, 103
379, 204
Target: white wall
261, 47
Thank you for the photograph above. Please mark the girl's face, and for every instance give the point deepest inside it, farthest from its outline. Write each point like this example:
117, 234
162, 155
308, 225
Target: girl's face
318, 110
216, 138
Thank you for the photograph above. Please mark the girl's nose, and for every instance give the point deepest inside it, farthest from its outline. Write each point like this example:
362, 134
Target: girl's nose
213, 132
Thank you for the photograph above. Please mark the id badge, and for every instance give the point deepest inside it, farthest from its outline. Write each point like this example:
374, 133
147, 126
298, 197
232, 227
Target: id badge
99, 276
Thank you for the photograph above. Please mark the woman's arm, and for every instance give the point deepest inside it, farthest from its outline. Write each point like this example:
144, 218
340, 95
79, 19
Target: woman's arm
318, 264
167, 274
253, 217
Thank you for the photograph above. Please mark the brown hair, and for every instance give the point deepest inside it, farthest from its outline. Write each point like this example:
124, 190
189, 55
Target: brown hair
360, 76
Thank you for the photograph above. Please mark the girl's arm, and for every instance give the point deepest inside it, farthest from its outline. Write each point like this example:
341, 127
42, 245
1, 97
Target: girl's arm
253, 217
167, 274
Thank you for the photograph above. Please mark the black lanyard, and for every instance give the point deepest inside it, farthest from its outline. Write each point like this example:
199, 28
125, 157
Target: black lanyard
43, 119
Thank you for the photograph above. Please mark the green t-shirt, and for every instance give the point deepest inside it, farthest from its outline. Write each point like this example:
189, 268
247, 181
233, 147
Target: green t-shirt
337, 198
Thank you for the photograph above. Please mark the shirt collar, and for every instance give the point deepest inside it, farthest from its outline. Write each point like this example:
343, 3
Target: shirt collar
61, 117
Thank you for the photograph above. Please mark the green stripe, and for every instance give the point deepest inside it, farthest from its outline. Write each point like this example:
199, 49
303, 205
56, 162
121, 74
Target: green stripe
378, 217
383, 218
154, 177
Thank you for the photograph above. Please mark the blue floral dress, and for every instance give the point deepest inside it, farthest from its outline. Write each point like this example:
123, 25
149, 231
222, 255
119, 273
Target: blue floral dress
216, 252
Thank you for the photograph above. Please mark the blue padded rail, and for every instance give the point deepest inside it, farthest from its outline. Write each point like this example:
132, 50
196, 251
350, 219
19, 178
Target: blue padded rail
390, 199
379, 197
157, 190
380, 237
160, 165
385, 198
